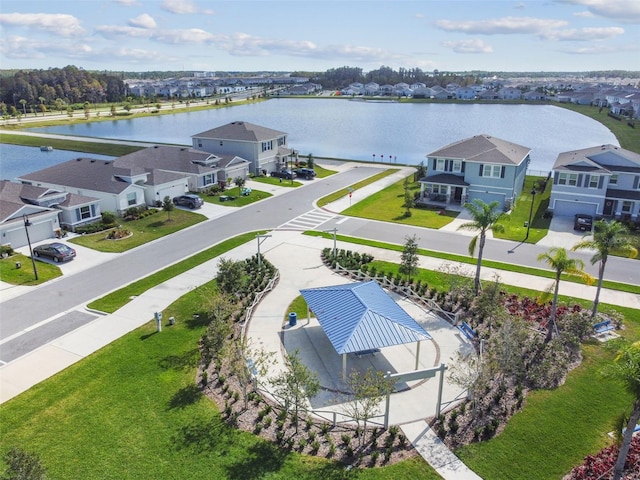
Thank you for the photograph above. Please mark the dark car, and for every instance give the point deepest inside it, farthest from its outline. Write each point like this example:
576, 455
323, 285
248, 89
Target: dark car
189, 200
288, 174
58, 252
583, 222
307, 173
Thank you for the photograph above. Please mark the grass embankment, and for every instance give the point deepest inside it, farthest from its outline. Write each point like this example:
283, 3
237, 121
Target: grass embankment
25, 275
352, 188
143, 231
111, 149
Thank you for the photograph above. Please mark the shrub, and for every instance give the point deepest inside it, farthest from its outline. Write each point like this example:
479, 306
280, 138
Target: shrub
6, 250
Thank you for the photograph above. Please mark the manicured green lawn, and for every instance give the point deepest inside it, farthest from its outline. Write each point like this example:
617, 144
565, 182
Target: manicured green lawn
144, 230
515, 222
63, 144
363, 183
239, 200
25, 274
281, 182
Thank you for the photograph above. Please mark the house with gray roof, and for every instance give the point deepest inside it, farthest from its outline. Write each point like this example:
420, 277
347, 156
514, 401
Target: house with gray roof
265, 149
481, 167
599, 181
40, 207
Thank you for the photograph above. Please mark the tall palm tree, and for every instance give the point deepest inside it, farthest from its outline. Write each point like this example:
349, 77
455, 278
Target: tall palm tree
626, 367
607, 238
484, 217
559, 261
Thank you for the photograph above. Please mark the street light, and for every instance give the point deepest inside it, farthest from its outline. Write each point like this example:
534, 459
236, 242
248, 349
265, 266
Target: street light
27, 224
533, 198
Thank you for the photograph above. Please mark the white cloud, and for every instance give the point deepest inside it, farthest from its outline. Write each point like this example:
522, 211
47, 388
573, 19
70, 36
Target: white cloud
143, 21
468, 46
602, 49
189, 36
56, 23
181, 7
127, 3
505, 25
115, 31
583, 34
626, 11
23, 47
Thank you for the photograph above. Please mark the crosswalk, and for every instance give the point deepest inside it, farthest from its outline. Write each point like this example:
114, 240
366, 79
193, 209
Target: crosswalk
308, 221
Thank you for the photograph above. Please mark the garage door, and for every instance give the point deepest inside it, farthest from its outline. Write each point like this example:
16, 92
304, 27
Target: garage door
569, 209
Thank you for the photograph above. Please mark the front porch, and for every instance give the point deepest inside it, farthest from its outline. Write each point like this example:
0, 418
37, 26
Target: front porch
443, 191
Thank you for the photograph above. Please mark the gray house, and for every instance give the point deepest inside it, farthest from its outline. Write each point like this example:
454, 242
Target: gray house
482, 167
600, 181
264, 148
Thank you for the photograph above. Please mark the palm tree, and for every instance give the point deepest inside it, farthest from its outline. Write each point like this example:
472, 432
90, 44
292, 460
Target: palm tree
626, 367
23, 102
608, 238
484, 218
560, 262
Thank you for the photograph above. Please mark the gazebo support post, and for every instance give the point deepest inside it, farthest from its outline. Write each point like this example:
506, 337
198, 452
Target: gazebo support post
386, 405
308, 315
417, 355
344, 366
442, 368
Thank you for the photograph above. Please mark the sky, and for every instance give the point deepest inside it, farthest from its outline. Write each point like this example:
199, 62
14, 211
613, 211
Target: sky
308, 35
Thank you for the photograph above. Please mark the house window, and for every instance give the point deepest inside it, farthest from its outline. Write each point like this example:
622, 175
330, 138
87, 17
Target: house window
208, 179
440, 165
456, 166
568, 179
266, 146
282, 141
85, 212
627, 206
593, 181
613, 180
131, 198
199, 144
491, 171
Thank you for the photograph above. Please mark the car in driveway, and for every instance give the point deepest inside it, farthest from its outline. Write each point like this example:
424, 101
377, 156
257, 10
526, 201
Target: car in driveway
188, 200
583, 222
308, 173
288, 174
58, 252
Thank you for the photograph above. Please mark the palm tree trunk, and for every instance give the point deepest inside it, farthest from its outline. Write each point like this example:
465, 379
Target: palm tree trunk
626, 441
596, 301
479, 265
554, 305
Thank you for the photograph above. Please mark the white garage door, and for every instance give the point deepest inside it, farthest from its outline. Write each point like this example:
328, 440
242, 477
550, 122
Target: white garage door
569, 209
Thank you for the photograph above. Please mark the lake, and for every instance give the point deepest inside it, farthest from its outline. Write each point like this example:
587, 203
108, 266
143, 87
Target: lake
404, 132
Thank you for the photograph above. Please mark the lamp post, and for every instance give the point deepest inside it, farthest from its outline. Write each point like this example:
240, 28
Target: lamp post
533, 198
27, 224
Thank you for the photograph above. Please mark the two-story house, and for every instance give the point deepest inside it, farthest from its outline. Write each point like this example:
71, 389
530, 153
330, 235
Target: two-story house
482, 167
599, 181
264, 148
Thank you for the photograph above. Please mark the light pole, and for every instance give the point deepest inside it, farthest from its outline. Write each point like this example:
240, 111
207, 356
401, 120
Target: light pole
533, 198
27, 224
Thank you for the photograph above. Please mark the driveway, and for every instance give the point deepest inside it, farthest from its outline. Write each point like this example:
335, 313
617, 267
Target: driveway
561, 233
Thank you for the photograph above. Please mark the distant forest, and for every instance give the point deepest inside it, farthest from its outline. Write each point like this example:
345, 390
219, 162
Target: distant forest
70, 85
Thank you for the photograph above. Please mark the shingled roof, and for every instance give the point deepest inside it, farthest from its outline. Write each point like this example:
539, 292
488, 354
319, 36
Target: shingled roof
242, 131
603, 159
484, 149
362, 316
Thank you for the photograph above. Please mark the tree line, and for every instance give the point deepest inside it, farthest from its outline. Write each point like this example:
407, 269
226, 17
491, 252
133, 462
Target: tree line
69, 85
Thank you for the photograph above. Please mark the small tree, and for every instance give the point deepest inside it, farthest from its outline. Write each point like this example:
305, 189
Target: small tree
247, 363
408, 198
23, 466
239, 181
218, 310
113, 110
409, 258
368, 391
295, 384
464, 371
310, 161
167, 206
421, 171
231, 276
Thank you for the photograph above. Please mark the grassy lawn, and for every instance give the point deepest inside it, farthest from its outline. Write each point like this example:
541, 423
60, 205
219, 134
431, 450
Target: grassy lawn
514, 223
61, 144
144, 230
25, 275
281, 182
363, 183
239, 200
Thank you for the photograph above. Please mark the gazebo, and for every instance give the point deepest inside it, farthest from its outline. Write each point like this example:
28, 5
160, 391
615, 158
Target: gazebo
362, 317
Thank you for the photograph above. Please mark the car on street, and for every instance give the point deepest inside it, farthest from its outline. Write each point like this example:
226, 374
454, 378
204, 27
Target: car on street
288, 174
308, 173
188, 200
583, 222
58, 252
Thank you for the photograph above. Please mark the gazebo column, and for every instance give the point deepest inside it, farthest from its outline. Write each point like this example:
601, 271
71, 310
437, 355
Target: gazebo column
344, 366
417, 354
308, 315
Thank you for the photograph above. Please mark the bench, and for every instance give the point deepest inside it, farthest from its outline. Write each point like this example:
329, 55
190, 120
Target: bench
466, 330
371, 351
602, 327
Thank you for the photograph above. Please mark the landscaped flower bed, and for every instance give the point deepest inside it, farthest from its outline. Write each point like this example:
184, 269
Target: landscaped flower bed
601, 466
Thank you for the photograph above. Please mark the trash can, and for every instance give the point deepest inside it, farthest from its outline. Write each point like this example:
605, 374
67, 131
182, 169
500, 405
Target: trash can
293, 319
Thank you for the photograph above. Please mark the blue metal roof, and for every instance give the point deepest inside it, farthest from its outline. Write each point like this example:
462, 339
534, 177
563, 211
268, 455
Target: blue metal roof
362, 316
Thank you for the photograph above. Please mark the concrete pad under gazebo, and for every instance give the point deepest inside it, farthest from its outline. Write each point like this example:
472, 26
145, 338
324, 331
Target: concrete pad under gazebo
362, 318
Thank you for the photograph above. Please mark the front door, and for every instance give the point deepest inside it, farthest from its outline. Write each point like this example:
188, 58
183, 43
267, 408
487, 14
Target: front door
457, 194
609, 207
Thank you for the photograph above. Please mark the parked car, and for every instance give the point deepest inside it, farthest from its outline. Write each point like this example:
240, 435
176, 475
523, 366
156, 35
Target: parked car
58, 252
189, 200
307, 173
288, 174
583, 222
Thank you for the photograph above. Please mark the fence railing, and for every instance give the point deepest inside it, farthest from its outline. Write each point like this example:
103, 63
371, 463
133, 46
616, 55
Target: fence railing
258, 298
